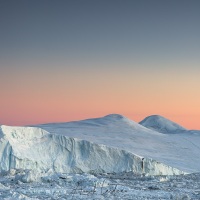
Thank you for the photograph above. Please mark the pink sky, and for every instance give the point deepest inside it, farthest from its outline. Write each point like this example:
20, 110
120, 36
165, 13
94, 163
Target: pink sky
39, 97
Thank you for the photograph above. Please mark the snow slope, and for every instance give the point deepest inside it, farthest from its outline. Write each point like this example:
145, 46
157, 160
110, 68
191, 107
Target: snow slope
181, 151
161, 124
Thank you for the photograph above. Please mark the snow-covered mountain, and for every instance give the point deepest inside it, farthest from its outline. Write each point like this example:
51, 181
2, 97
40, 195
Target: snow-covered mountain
161, 124
109, 144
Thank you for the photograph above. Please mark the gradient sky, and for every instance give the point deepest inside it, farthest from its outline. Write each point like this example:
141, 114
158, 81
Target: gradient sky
63, 60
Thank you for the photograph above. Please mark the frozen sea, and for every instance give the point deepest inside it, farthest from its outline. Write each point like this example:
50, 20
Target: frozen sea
100, 186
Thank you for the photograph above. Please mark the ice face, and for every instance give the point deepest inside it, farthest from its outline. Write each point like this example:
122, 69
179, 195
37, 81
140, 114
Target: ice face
36, 149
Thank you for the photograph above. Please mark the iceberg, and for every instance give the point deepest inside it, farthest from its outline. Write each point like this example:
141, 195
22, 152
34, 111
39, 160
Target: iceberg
36, 149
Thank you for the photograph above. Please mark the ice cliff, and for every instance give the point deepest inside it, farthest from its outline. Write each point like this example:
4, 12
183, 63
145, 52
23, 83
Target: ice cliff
36, 149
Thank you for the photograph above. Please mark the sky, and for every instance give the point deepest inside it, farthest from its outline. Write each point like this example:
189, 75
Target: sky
65, 60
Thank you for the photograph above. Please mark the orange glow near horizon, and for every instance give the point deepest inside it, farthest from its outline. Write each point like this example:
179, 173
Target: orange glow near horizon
67, 96
189, 122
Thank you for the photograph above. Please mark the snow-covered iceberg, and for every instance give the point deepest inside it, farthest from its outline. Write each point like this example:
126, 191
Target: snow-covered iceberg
108, 144
36, 149
180, 151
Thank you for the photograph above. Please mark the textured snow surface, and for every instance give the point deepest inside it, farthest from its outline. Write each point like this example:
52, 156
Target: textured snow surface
99, 186
161, 124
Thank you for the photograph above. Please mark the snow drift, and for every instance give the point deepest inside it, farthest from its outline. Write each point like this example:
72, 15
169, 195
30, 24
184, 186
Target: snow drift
36, 149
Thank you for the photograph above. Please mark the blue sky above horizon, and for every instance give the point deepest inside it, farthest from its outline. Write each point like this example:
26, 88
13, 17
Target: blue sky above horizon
135, 50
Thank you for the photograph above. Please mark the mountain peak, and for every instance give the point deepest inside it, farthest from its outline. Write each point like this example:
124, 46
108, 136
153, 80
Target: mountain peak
114, 116
161, 124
